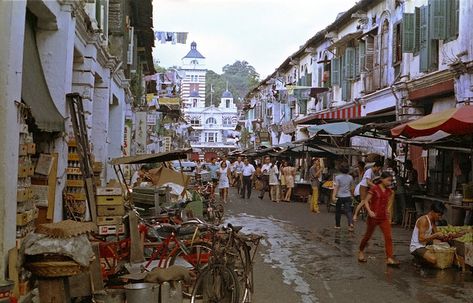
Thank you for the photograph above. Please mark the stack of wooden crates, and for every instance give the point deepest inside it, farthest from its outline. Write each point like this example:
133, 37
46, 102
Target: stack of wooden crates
110, 210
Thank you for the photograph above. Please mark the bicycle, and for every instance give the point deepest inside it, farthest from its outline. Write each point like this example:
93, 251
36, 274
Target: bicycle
231, 251
213, 210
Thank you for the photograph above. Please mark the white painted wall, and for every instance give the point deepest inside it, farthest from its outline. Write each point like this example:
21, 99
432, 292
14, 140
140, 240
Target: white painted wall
12, 28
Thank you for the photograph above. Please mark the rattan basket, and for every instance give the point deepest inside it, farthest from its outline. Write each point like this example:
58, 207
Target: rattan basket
444, 256
55, 269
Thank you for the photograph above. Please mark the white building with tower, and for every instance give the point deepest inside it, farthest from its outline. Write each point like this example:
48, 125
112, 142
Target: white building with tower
212, 125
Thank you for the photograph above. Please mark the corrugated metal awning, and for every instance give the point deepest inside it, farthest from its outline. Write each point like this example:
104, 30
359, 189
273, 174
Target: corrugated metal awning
34, 90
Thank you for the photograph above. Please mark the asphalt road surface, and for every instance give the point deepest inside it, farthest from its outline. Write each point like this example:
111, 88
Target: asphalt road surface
304, 259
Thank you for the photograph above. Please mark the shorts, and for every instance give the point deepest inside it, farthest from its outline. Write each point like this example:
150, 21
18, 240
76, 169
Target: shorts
420, 252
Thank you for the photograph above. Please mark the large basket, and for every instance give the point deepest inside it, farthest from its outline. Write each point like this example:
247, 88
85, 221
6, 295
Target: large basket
444, 256
55, 269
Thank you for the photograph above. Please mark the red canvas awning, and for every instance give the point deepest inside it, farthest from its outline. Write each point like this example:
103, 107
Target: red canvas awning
340, 113
454, 121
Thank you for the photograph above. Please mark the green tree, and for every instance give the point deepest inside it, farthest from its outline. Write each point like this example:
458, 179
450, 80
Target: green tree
240, 77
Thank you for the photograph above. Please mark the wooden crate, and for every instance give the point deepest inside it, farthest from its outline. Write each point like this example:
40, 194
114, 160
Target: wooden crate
109, 191
111, 210
22, 194
112, 220
73, 157
78, 196
73, 171
75, 183
109, 200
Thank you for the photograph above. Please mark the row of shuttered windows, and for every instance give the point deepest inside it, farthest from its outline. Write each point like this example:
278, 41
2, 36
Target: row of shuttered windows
418, 33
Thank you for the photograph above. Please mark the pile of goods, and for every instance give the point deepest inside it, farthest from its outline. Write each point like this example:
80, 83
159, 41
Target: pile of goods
459, 233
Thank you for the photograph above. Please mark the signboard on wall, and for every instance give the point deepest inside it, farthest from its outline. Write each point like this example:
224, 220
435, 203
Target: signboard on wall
288, 127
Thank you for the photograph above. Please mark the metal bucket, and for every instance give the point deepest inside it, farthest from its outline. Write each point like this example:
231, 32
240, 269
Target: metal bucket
142, 292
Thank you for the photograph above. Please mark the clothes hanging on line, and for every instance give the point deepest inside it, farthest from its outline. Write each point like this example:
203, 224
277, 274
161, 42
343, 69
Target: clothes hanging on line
171, 37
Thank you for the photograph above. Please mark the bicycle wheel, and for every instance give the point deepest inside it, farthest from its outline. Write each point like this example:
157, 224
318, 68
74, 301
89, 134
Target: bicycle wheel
195, 258
216, 284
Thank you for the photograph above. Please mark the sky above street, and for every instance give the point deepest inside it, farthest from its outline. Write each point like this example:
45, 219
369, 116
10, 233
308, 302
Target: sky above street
262, 32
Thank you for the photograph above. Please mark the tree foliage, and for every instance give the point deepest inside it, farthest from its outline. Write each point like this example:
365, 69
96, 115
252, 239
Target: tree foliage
240, 76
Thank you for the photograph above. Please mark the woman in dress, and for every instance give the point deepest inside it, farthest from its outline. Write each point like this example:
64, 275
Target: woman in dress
223, 181
274, 182
377, 205
289, 173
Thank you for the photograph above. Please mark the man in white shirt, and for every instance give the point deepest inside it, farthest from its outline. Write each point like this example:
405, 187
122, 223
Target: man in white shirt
247, 172
265, 177
367, 180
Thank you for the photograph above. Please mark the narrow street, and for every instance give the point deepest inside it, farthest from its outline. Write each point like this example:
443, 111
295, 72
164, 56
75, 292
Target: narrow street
303, 259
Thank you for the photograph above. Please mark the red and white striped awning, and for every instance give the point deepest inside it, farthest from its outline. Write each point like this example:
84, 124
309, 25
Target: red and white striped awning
352, 111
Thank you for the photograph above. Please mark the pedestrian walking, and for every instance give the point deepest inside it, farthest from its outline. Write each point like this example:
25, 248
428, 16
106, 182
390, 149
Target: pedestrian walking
257, 182
224, 181
247, 177
282, 180
367, 179
213, 168
343, 196
237, 169
265, 168
289, 173
315, 172
274, 183
377, 205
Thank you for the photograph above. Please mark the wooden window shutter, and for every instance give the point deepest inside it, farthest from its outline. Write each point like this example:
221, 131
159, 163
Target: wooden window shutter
361, 56
438, 19
335, 72
357, 60
349, 63
377, 67
320, 73
308, 80
453, 11
408, 33
424, 38
369, 57
394, 45
417, 30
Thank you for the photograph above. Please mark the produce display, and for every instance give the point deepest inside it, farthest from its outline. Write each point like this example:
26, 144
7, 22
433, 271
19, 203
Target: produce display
460, 233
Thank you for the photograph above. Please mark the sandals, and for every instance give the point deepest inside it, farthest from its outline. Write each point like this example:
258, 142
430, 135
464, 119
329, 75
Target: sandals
362, 258
392, 262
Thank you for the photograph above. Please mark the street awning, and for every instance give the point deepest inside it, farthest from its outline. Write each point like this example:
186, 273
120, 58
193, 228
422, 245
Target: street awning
454, 121
153, 158
169, 101
336, 128
352, 111
34, 89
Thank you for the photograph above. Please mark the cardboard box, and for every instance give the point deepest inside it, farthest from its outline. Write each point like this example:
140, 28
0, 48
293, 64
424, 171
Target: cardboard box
111, 210
112, 220
23, 151
40, 194
109, 200
31, 148
45, 163
111, 229
23, 171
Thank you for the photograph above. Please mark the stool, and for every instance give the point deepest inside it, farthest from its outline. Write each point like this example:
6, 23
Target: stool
408, 220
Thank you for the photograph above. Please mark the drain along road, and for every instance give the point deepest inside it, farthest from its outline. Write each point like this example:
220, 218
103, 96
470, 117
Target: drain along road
303, 259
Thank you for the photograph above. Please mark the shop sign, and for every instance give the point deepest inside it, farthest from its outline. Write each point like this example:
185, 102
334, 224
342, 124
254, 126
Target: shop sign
264, 135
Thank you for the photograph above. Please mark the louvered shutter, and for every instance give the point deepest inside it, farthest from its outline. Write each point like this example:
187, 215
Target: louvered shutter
424, 39
395, 45
408, 33
453, 11
361, 56
417, 29
335, 72
377, 67
320, 72
438, 19
349, 63
369, 58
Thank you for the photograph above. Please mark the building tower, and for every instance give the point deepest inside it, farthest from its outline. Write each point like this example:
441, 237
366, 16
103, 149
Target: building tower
193, 85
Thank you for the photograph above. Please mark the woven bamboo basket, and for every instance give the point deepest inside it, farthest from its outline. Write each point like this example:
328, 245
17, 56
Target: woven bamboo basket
444, 256
55, 269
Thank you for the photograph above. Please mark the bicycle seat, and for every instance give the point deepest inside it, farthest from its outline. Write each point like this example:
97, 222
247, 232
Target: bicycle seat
165, 230
235, 228
186, 230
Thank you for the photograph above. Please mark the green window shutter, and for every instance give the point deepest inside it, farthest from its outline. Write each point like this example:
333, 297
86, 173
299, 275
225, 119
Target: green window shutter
357, 60
408, 33
349, 63
453, 11
424, 39
417, 30
438, 19
361, 56
335, 72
